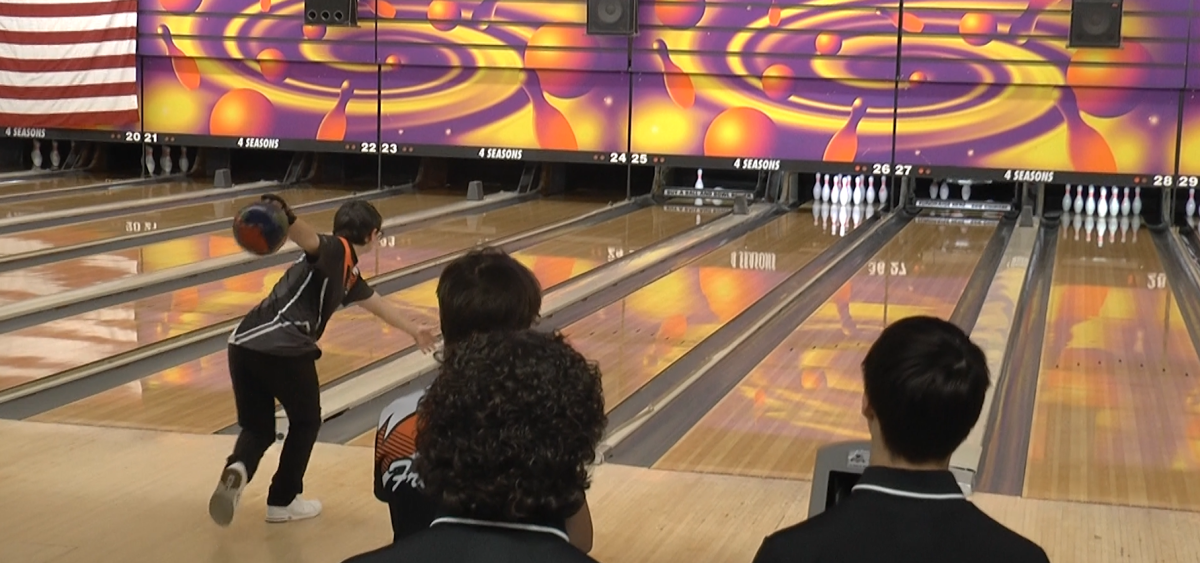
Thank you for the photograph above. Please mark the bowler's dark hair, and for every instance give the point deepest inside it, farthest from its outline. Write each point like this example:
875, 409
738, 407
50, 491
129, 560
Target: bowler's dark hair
486, 290
355, 220
926, 382
509, 428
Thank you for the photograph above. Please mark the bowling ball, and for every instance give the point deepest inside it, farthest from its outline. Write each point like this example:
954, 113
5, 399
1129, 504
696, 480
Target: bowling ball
260, 228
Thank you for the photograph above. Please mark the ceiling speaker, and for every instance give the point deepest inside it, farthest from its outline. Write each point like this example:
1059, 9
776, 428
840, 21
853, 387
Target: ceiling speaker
612, 17
1096, 23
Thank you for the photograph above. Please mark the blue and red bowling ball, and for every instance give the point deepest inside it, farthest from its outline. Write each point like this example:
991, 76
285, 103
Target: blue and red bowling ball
261, 228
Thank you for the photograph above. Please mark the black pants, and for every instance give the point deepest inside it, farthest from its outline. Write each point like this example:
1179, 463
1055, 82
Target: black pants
259, 379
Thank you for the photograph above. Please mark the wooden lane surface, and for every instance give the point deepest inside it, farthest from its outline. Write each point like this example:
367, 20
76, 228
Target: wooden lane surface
636, 338
1117, 413
114, 480
66, 275
148, 221
114, 195
43, 184
808, 391
195, 397
49, 348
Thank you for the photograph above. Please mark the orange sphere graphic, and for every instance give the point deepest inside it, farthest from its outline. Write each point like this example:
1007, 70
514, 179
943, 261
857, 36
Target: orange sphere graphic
828, 43
272, 65
180, 6
554, 52
1105, 90
314, 32
444, 14
682, 14
740, 132
977, 29
242, 113
392, 62
778, 82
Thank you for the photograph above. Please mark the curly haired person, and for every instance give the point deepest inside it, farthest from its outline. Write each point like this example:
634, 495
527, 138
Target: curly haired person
505, 437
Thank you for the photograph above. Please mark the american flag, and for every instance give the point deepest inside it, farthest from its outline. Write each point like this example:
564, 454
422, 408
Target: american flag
68, 64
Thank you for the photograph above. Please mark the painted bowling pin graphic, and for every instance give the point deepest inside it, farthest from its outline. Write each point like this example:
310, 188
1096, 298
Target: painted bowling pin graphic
1137, 206
1066, 201
1090, 206
843, 147
185, 67
1087, 148
1190, 207
550, 126
1078, 199
333, 126
1025, 23
774, 14
679, 85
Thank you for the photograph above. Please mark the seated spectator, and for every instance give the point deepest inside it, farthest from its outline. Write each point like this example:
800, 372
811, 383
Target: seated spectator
484, 290
924, 385
505, 438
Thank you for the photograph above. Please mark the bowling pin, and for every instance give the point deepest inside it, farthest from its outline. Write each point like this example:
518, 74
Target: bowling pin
1090, 205
699, 179
945, 191
165, 161
1066, 202
1125, 204
1114, 203
966, 192
36, 155
55, 158
183, 160
825, 190
845, 192
1137, 206
817, 190
933, 190
1102, 207
870, 191
150, 159
883, 193
1078, 199
1190, 208
858, 190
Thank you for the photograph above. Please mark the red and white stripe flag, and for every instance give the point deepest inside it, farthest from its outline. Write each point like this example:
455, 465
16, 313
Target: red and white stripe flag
69, 64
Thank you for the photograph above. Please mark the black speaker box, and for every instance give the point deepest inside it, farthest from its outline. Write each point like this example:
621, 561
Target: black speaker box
331, 12
1096, 23
612, 17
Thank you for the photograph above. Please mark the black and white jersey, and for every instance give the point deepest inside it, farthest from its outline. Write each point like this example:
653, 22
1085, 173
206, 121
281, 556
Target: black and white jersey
291, 320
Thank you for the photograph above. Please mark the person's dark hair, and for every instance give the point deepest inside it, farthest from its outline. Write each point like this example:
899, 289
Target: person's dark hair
486, 290
926, 382
509, 428
355, 220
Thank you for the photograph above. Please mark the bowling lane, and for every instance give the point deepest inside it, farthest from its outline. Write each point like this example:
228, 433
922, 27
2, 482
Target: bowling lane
85, 271
70, 342
57, 182
111, 195
196, 397
808, 391
636, 338
1117, 412
149, 221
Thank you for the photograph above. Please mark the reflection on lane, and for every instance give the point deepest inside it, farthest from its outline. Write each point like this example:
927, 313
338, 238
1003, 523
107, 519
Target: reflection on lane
145, 222
66, 275
46, 184
115, 195
46, 349
636, 338
1117, 415
354, 339
807, 392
